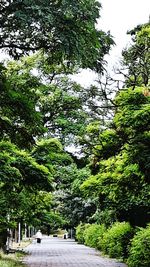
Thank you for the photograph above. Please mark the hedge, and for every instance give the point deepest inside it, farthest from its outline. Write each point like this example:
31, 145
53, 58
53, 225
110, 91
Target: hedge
92, 234
139, 254
116, 240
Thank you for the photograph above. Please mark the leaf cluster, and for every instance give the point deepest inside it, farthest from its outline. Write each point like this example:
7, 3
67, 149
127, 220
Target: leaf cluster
122, 165
139, 251
64, 30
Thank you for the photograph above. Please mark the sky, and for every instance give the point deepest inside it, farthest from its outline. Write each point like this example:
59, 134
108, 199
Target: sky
118, 16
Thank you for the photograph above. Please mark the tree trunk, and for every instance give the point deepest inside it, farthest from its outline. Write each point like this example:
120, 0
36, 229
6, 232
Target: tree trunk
3, 239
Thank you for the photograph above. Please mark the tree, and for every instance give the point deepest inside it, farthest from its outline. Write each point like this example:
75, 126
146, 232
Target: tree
20, 121
137, 57
64, 30
69, 206
121, 182
43, 215
20, 176
66, 35
47, 101
28, 179
69, 200
50, 153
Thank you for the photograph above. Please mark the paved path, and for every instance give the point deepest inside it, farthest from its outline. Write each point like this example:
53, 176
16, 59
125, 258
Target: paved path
58, 252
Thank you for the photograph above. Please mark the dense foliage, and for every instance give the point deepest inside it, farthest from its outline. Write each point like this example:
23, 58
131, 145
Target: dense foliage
139, 253
120, 240
64, 29
20, 121
38, 101
43, 114
122, 181
116, 240
80, 232
136, 58
93, 235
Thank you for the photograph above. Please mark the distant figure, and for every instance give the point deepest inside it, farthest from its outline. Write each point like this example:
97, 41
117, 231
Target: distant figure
38, 236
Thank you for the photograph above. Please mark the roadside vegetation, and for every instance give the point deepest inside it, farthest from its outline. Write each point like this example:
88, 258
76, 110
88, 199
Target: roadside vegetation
11, 260
119, 241
71, 154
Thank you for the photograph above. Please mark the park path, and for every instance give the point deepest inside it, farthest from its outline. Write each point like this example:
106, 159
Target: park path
58, 252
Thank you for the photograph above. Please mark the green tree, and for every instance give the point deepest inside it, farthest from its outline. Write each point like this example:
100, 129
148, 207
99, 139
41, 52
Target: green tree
20, 176
64, 30
122, 182
39, 97
20, 121
51, 154
70, 201
137, 57
66, 35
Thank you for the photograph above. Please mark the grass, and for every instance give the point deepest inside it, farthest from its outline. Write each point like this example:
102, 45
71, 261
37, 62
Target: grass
11, 260
14, 259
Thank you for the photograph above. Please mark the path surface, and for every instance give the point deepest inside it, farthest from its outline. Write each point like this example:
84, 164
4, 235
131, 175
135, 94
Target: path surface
58, 252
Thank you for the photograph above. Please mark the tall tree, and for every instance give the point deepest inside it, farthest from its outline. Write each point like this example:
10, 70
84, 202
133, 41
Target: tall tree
64, 29
20, 176
69, 200
19, 119
122, 170
137, 57
38, 97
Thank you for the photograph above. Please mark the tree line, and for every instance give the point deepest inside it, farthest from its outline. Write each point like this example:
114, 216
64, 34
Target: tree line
105, 178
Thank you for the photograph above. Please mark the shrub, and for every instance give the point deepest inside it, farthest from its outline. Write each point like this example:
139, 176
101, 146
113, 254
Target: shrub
139, 254
80, 232
92, 235
116, 240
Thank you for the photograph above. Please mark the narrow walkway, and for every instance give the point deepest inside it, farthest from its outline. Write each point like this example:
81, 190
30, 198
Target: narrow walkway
57, 252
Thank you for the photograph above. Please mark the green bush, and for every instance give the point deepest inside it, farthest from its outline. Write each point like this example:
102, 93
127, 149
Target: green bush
116, 240
92, 234
80, 232
139, 254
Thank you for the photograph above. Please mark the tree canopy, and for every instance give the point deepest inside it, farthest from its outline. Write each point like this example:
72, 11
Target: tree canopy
43, 112
122, 180
63, 29
137, 57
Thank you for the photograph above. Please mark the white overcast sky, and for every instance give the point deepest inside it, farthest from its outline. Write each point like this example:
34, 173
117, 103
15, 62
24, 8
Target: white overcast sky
118, 16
